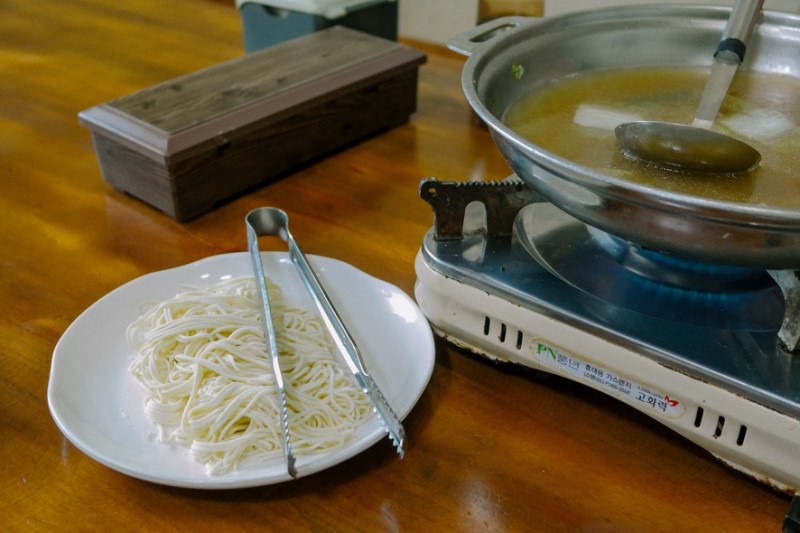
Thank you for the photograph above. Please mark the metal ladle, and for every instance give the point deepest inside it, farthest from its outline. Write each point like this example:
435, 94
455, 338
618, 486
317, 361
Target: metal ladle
695, 147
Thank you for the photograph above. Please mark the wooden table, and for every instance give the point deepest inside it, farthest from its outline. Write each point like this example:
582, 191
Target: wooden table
489, 447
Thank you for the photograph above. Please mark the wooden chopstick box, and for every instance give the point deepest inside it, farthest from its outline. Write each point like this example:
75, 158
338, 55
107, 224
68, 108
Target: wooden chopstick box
186, 145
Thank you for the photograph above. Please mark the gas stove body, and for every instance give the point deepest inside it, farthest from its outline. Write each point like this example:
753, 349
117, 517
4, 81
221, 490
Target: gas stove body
709, 364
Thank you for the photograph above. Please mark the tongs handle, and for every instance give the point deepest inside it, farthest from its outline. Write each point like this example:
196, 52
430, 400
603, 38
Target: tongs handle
275, 222
254, 230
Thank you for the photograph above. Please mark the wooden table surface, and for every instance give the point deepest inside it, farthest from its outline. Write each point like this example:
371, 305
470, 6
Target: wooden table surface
490, 448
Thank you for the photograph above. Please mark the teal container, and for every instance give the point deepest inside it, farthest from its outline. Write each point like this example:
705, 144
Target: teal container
269, 22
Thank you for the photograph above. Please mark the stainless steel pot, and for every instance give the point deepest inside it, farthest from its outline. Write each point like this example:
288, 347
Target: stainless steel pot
510, 56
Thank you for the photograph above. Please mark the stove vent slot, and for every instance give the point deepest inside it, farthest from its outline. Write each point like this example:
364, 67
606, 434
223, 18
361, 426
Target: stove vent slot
698, 417
720, 427
504, 335
741, 436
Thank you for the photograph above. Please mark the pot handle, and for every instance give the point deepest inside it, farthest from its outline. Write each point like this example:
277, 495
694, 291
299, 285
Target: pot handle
474, 38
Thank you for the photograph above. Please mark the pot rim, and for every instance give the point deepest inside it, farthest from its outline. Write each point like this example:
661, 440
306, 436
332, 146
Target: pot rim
484, 42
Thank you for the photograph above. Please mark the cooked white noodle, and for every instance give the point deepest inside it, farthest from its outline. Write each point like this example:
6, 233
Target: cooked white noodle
202, 359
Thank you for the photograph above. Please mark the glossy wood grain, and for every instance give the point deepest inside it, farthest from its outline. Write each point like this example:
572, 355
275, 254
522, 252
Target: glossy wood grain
490, 448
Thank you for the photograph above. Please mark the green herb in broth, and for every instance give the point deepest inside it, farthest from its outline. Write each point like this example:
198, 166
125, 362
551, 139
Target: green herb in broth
546, 118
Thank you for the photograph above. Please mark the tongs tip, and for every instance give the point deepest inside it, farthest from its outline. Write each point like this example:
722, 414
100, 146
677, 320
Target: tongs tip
399, 446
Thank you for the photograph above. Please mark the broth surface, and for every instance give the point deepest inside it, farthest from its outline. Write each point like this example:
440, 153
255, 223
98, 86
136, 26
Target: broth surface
546, 117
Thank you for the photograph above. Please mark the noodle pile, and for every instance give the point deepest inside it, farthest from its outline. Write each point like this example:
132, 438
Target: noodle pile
202, 359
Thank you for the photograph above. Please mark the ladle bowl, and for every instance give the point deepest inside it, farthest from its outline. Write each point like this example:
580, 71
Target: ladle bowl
683, 147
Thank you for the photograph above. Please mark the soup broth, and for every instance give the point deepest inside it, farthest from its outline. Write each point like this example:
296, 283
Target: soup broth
760, 109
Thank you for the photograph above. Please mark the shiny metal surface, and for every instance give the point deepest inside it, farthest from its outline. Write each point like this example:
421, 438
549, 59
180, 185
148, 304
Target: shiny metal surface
507, 57
274, 222
256, 227
684, 147
727, 58
650, 283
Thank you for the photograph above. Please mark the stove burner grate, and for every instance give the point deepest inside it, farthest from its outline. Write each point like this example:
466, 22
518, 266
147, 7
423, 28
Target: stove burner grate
648, 281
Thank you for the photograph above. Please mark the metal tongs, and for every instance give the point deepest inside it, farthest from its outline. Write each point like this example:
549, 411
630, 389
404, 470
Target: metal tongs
270, 221
255, 228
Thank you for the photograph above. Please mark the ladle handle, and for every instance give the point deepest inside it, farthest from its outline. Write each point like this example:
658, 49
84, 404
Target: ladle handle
728, 57
737, 32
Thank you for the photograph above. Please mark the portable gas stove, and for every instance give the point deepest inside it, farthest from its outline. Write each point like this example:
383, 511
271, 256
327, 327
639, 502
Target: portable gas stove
695, 346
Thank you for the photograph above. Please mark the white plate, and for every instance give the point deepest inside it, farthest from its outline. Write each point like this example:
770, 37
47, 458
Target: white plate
98, 406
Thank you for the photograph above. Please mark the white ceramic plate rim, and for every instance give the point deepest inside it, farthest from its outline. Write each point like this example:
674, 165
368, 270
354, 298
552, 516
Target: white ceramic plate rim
98, 406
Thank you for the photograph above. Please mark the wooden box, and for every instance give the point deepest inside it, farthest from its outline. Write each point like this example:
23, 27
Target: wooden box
185, 145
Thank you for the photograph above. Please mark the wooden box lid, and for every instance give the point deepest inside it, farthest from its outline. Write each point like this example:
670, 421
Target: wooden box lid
193, 114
